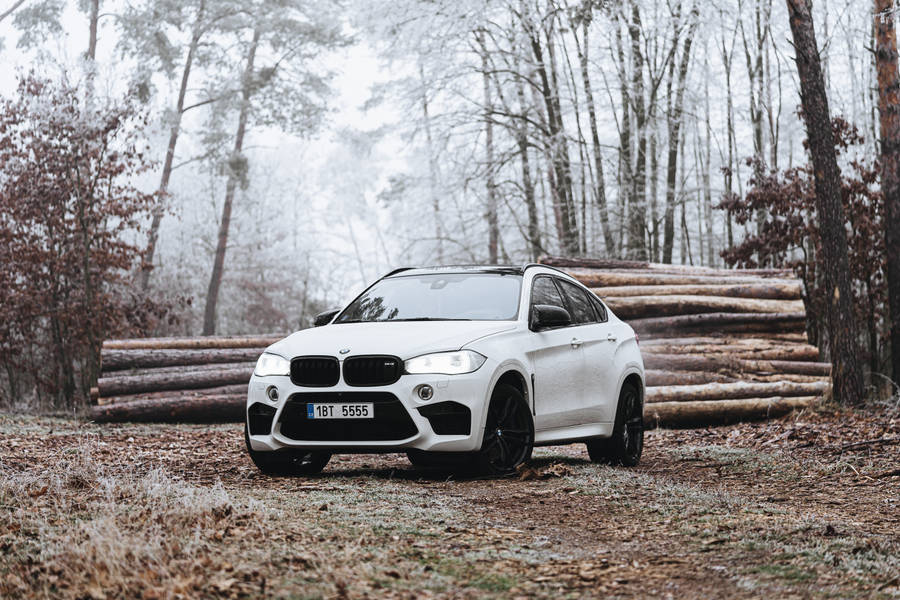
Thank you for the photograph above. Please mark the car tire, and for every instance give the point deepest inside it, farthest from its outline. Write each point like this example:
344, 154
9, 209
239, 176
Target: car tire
508, 433
286, 462
626, 444
439, 460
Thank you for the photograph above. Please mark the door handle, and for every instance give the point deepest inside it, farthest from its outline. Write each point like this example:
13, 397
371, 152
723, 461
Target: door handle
576, 343
610, 337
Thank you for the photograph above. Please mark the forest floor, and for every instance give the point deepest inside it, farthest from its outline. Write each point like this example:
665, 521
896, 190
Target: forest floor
805, 506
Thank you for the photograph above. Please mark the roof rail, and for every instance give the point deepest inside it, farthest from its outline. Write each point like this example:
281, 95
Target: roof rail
527, 266
398, 270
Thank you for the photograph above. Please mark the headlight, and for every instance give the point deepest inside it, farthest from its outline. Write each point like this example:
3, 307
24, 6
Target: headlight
272, 364
445, 363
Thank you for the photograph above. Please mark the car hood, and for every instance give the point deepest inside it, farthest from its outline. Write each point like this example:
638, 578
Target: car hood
404, 339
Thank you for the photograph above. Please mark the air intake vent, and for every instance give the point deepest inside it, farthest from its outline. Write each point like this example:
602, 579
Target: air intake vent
315, 371
360, 371
391, 420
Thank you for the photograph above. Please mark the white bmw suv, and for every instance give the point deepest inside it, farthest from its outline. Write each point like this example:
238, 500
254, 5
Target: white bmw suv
457, 367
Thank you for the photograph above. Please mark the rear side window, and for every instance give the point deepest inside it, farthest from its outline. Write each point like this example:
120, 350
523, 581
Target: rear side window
601, 309
544, 291
580, 304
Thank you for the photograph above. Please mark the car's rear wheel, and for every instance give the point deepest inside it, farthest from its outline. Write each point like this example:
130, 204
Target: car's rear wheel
286, 462
626, 444
508, 432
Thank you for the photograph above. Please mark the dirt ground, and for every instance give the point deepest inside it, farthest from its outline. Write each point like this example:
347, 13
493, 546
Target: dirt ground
806, 506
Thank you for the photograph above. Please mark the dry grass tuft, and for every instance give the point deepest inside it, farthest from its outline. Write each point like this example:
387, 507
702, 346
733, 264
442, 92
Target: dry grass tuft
94, 534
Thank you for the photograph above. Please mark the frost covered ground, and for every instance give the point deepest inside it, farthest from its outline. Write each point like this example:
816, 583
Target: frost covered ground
807, 506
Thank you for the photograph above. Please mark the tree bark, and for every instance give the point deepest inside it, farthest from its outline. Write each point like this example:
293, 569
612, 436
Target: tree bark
247, 365
119, 360
889, 112
635, 307
637, 215
224, 390
136, 384
193, 343
624, 278
433, 170
153, 234
674, 126
198, 409
561, 179
746, 351
842, 326
534, 228
784, 291
493, 226
237, 156
724, 322
731, 391
713, 363
659, 378
93, 21
594, 263
720, 412
600, 192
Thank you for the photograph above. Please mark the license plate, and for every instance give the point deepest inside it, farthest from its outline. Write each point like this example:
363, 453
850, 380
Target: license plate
340, 411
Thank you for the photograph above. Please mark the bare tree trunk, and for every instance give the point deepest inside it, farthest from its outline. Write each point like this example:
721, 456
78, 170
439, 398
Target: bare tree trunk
889, 111
563, 203
707, 159
534, 229
637, 217
237, 162
608, 239
432, 170
653, 226
493, 227
625, 172
93, 19
153, 235
729, 170
762, 24
674, 123
845, 355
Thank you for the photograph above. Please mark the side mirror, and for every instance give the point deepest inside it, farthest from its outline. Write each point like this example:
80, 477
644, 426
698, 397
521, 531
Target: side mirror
544, 316
324, 318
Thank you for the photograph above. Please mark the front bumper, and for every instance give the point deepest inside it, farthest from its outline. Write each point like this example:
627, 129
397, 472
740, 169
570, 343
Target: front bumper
470, 390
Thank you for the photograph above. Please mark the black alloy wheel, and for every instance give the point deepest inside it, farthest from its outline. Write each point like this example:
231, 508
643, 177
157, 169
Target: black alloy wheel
626, 444
508, 432
286, 462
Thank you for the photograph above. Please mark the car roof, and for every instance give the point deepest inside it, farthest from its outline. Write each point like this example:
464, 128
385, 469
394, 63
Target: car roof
493, 269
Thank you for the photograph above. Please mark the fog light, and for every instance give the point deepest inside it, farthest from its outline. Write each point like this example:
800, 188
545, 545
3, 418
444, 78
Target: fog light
272, 393
426, 392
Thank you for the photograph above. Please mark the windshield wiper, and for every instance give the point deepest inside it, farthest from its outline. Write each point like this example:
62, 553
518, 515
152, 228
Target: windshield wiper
426, 319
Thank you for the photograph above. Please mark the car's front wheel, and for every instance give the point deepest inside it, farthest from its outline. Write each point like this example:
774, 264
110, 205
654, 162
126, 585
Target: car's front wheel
286, 462
626, 444
508, 432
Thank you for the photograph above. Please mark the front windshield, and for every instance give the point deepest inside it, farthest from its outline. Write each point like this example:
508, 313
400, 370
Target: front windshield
438, 297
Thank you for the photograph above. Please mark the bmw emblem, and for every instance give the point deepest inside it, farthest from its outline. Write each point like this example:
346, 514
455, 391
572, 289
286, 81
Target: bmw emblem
344, 350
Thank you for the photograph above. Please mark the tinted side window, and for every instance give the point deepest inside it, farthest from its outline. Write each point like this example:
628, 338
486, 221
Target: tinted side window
543, 291
580, 305
601, 309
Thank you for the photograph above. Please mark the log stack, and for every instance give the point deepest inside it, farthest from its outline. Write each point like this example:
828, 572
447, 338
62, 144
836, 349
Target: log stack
719, 345
201, 379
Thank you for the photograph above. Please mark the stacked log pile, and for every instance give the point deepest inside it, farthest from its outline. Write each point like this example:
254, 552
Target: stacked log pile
718, 345
200, 379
